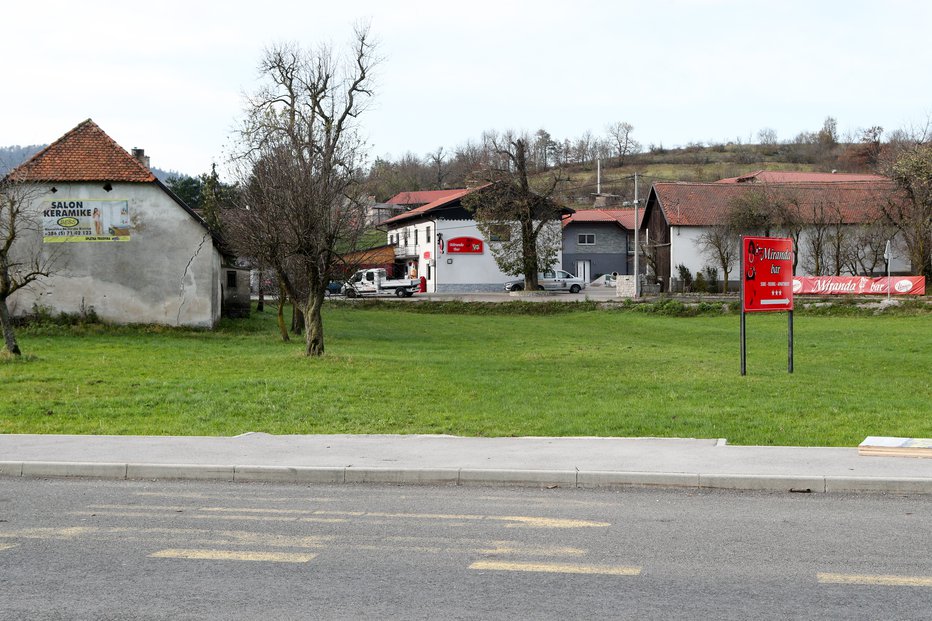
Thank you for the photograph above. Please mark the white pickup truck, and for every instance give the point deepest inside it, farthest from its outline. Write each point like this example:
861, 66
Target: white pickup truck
376, 281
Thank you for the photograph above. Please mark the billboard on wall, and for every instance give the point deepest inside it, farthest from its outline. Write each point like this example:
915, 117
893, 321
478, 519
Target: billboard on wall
859, 285
767, 274
85, 221
464, 245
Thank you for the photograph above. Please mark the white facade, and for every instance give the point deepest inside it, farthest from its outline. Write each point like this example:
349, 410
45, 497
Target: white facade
686, 249
447, 271
167, 272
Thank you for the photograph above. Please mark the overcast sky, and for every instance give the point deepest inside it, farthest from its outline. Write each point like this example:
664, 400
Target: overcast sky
169, 76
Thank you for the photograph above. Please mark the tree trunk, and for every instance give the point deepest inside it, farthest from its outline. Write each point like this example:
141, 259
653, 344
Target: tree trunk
297, 319
282, 328
260, 305
529, 250
9, 336
314, 336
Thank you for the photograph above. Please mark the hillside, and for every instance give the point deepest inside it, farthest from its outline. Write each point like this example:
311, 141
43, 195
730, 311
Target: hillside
708, 164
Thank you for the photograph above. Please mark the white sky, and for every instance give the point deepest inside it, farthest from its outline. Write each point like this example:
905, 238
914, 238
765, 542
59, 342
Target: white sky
168, 76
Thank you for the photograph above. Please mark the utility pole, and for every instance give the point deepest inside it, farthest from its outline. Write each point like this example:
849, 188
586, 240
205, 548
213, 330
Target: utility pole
598, 176
637, 276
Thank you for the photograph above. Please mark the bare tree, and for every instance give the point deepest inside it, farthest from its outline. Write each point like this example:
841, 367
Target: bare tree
722, 244
440, 167
619, 134
299, 166
22, 257
910, 210
516, 213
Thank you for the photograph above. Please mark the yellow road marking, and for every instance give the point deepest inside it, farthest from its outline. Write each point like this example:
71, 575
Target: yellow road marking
48, 533
232, 555
195, 516
512, 521
557, 568
826, 578
542, 522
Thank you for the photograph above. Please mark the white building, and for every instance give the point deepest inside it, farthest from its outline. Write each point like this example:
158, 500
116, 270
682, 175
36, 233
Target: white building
825, 206
440, 242
120, 242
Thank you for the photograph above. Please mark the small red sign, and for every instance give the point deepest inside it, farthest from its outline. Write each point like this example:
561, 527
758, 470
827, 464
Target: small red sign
766, 274
464, 245
427, 254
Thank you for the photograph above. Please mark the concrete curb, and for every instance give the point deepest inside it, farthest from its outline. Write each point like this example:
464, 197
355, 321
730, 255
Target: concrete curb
468, 476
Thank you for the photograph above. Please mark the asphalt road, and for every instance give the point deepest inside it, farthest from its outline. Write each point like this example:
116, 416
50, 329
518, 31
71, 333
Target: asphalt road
85, 549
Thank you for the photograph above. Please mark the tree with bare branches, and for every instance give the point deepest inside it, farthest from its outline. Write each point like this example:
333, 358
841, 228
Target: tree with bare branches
22, 257
619, 134
299, 165
517, 214
909, 164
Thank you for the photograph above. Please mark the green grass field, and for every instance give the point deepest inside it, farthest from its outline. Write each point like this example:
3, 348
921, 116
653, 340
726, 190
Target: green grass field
388, 370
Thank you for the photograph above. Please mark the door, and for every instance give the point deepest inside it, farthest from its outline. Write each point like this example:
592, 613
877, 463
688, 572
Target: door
584, 270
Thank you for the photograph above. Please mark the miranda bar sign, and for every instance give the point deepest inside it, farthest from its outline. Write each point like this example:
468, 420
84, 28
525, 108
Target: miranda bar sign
767, 274
766, 285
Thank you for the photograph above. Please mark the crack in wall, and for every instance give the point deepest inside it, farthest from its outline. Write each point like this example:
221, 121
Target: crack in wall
185, 274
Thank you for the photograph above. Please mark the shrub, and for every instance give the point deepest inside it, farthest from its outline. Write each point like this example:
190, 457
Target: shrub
711, 275
685, 276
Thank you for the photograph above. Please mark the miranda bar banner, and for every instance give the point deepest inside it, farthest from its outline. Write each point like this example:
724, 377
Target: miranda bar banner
859, 285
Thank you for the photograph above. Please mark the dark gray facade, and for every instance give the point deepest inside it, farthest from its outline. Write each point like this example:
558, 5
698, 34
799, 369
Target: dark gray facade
611, 250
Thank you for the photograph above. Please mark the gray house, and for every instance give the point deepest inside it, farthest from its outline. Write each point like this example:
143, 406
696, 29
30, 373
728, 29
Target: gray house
599, 241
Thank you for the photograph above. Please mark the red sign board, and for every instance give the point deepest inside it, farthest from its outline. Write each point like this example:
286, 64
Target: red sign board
464, 245
766, 274
860, 285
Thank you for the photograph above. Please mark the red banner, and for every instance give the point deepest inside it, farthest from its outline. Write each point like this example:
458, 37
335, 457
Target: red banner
464, 245
767, 274
859, 285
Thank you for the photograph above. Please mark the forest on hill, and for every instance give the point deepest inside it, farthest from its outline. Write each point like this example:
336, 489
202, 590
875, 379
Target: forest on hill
607, 164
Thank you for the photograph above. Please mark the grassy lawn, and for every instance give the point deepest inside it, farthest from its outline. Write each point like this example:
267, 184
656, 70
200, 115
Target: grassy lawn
388, 370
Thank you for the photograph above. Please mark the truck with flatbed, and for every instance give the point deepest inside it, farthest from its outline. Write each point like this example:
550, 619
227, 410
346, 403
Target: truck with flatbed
375, 281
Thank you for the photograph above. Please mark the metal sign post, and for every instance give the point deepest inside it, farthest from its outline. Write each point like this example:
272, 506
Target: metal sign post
766, 285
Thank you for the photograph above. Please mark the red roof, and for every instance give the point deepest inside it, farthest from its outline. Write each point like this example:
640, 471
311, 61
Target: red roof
85, 153
707, 204
450, 197
779, 176
623, 217
420, 197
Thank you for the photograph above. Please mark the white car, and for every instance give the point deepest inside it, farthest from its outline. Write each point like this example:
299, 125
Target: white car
556, 280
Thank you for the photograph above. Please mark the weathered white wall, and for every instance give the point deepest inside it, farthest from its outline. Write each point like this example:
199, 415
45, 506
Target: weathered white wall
167, 273
453, 272
686, 249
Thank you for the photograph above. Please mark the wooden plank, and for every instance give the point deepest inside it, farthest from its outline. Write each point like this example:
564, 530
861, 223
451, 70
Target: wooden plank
896, 447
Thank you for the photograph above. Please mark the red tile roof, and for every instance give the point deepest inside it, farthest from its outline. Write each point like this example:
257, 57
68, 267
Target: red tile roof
450, 197
779, 176
420, 197
85, 153
623, 217
706, 204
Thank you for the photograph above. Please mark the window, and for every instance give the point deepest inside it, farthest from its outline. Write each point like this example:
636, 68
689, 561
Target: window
415, 237
585, 239
231, 279
427, 233
500, 233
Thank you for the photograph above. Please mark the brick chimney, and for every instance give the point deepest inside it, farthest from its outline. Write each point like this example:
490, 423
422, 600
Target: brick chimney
141, 157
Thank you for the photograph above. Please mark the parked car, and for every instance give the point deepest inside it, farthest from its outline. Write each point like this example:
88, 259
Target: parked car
334, 287
554, 280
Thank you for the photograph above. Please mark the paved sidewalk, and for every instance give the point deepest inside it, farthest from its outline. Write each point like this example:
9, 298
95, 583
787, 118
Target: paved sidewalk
532, 461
